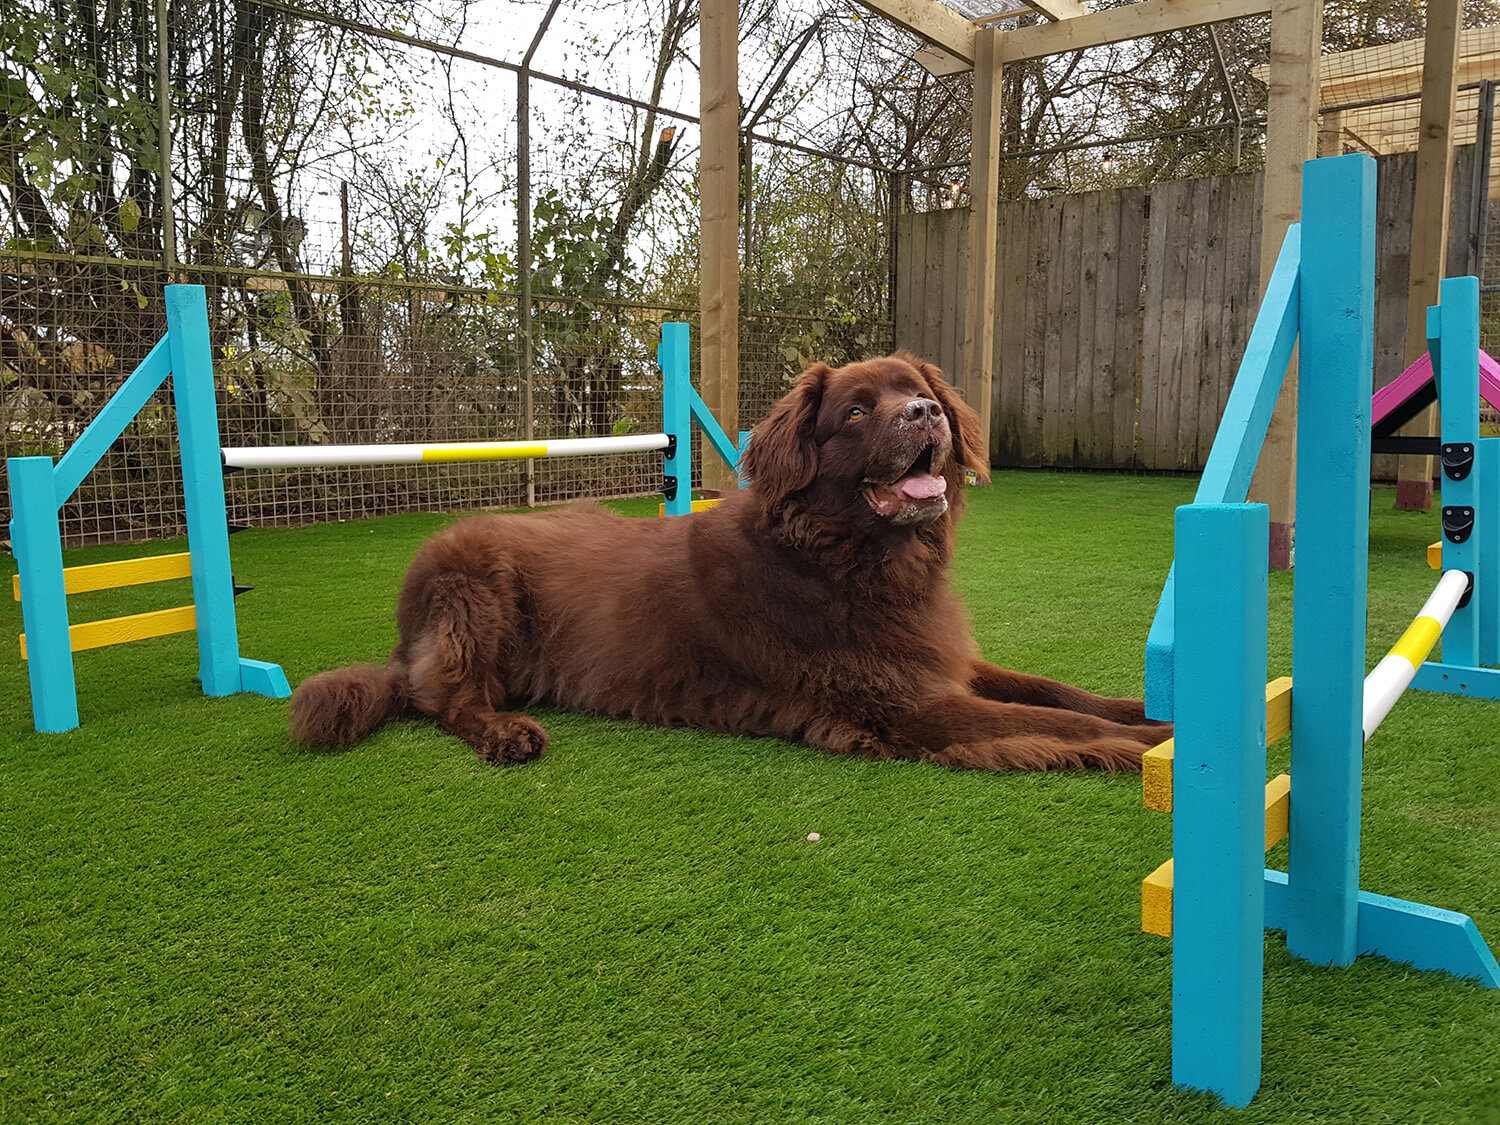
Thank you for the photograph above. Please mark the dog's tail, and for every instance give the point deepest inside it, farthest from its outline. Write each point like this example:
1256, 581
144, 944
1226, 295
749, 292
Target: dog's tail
340, 707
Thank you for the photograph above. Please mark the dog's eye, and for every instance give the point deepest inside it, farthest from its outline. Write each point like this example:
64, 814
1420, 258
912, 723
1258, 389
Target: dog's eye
856, 412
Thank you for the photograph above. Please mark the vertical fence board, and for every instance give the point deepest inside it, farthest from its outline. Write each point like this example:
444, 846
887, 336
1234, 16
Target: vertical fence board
1209, 332
1128, 316
1052, 373
1010, 308
955, 282
1096, 405
1153, 381
1037, 253
1071, 375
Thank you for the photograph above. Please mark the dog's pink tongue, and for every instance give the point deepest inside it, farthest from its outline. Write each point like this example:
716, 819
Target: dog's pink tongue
921, 487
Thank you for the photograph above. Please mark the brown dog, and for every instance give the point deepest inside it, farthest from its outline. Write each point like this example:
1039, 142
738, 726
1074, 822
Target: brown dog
814, 606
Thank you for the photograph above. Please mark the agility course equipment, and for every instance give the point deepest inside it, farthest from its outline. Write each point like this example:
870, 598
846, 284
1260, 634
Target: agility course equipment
39, 489
1207, 654
1411, 392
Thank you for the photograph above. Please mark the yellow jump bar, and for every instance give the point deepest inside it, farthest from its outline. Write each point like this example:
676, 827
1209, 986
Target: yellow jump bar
1156, 765
1156, 888
136, 627
126, 572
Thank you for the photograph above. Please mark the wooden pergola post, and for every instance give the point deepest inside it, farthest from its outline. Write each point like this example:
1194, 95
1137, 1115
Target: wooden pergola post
1429, 226
1291, 139
719, 237
976, 380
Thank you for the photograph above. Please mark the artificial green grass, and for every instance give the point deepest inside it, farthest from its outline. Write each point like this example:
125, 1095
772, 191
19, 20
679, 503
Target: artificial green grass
200, 922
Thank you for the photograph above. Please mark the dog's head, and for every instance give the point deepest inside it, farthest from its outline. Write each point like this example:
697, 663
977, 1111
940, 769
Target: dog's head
886, 440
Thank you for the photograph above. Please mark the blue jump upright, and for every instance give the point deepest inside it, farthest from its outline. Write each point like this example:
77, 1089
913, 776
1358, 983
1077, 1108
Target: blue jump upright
1206, 655
38, 490
681, 407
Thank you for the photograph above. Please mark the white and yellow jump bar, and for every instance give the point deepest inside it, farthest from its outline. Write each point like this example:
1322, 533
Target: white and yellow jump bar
1388, 679
330, 456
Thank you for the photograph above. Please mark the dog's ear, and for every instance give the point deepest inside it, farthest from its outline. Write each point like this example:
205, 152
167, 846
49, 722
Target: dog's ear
968, 448
782, 457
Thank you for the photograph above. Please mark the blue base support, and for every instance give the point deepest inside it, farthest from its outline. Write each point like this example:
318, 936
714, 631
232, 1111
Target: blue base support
1455, 679
261, 678
1424, 937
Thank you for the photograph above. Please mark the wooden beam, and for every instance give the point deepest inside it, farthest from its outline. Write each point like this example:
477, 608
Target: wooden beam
1058, 9
977, 379
1129, 21
1291, 139
934, 22
719, 238
1429, 227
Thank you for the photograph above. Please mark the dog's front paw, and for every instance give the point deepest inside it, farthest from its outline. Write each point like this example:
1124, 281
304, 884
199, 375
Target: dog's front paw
510, 739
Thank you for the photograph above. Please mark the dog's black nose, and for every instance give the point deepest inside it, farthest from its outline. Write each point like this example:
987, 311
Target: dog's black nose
921, 410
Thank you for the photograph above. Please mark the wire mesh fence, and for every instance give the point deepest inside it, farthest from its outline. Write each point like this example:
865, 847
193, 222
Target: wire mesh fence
460, 221
424, 235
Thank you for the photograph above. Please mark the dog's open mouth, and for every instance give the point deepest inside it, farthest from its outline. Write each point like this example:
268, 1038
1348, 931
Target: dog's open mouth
917, 496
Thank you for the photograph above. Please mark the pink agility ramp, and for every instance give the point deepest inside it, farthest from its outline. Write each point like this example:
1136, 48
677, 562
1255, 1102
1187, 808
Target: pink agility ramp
1404, 397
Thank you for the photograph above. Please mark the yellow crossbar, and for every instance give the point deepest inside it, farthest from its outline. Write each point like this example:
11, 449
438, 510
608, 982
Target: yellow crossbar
1435, 555
136, 627
698, 505
1156, 765
1156, 888
126, 572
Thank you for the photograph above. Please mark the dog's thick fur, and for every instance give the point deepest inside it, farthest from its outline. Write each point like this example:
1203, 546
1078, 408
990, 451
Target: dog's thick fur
814, 605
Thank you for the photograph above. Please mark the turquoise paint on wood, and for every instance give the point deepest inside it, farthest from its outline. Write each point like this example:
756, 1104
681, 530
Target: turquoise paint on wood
1337, 310
110, 422
673, 356
203, 488
1453, 325
1486, 598
37, 541
1424, 937
1218, 790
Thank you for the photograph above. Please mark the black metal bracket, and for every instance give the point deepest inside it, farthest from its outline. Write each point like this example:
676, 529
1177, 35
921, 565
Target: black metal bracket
669, 488
1458, 523
1458, 459
1469, 592
671, 450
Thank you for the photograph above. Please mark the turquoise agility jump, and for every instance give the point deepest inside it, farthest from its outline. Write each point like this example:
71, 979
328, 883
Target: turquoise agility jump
39, 489
1207, 652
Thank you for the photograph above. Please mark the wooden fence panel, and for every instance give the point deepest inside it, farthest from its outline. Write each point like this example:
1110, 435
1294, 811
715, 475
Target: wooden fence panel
1121, 316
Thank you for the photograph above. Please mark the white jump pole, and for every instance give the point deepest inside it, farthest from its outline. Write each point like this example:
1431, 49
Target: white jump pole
327, 456
1388, 679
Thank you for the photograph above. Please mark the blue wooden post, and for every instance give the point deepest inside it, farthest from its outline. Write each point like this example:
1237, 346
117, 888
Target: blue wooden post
1333, 525
37, 541
1472, 638
1486, 598
1453, 326
203, 488
1218, 798
672, 355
